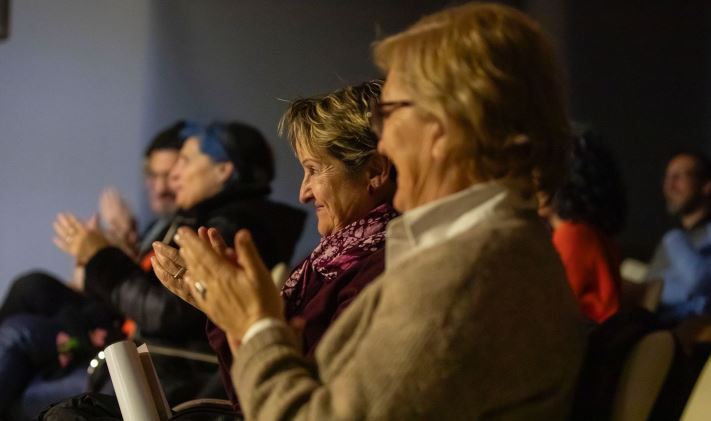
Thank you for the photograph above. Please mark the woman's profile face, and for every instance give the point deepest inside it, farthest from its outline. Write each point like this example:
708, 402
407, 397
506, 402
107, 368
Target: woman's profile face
196, 177
406, 139
340, 197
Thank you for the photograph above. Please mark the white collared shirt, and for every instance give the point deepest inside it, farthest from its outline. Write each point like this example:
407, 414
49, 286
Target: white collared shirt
437, 221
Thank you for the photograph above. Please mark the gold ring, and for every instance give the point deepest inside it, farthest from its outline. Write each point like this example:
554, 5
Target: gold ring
179, 274
201, 289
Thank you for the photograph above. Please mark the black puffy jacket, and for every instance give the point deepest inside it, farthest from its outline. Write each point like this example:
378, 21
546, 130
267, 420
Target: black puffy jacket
114, 278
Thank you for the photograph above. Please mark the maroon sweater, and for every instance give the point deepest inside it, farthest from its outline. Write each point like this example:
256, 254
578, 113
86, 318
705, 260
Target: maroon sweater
323, 303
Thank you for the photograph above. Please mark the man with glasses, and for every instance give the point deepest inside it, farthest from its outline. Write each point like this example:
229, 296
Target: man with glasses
48, 326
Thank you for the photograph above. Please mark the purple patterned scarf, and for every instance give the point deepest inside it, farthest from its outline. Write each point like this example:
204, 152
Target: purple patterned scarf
339, 252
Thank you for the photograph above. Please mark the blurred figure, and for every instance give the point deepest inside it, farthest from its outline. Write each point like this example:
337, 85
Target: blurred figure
52, 328
351, 188
683, 257
585, 214
221, 180
473, 317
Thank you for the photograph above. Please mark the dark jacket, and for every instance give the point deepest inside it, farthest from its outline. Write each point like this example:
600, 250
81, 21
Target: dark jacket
116, 279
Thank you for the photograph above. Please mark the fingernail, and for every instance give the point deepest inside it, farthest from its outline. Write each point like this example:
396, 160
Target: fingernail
176, 237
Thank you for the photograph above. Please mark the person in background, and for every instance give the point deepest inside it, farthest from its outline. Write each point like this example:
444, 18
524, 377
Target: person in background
473, 317
351, 188
682, 259
49, 329
222, 180
585, 214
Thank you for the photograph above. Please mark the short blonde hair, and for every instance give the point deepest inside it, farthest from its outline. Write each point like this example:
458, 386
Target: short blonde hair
491, 71
336, 124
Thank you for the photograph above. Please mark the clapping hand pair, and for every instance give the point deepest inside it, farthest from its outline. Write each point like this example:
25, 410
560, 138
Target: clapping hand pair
232, 287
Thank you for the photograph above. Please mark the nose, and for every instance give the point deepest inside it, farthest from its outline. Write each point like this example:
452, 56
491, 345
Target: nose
305, 194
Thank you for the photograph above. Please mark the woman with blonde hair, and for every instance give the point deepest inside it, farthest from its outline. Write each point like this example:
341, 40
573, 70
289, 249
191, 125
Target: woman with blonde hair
472, 318
351, 188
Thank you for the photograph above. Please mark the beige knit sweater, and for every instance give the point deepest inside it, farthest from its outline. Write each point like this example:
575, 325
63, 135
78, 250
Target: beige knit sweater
482, 326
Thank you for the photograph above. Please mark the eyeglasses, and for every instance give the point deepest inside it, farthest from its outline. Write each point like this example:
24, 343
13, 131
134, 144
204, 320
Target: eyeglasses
379, 111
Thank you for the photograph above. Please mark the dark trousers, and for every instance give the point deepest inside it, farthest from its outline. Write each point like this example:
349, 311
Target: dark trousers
27, 347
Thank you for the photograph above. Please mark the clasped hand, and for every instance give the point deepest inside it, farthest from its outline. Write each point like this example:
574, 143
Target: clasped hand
82, 241
232, 287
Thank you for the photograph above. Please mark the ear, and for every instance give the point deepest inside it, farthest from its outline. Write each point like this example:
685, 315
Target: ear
438, 132
378, 171
224, 171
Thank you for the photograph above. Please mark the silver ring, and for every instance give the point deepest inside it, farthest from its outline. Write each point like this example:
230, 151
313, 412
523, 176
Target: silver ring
179, 274
201, 289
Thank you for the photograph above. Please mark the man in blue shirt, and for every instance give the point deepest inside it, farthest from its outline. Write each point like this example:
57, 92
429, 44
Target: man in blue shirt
683, 257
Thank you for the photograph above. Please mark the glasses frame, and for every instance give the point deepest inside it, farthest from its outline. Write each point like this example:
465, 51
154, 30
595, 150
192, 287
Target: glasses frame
378, 113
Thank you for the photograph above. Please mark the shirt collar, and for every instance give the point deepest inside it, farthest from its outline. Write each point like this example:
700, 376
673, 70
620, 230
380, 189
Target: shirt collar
442, 219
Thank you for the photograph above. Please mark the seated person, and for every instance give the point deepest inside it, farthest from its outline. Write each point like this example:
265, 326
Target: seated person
585, 214
221, 179
351, 187
473, 317
683, 257
42, 294
54, 318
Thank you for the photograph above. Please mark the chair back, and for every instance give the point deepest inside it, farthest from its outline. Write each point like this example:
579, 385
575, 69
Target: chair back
698, 407
280, 273
642, 377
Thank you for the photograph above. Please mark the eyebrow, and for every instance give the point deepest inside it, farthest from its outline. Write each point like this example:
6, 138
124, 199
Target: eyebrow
308, 160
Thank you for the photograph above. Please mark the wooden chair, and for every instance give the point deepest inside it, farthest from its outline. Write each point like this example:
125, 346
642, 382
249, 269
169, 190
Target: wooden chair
698, 407
642, 377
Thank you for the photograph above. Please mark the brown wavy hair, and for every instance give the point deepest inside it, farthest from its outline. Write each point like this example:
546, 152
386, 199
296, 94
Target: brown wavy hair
336, 124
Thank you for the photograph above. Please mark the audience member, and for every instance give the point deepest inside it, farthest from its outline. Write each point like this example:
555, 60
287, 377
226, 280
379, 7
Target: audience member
585, 214
683, 257
473, 317
351, 188
45, 322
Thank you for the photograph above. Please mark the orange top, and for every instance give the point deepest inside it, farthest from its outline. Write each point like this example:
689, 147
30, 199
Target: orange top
592, 262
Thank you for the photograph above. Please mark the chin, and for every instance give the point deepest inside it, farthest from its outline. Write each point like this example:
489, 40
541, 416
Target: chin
399, 203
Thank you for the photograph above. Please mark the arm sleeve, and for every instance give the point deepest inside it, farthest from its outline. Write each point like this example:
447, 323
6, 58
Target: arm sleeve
590, 270
114, 278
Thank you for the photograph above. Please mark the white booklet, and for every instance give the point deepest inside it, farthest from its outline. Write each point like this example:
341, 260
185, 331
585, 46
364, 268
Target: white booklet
140, 395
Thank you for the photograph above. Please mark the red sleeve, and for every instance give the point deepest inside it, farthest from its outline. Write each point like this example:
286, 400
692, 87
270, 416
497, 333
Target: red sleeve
592, 268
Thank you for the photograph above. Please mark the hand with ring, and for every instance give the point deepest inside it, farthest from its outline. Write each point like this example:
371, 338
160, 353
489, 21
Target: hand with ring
170, 269
76, 239
232, 293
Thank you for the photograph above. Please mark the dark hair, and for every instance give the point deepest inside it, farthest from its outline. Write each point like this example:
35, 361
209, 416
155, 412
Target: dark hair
168, 138
593, 191
703, 163
251, 154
